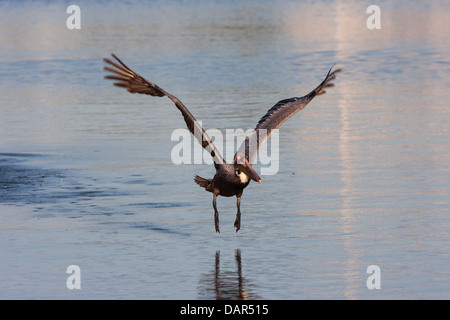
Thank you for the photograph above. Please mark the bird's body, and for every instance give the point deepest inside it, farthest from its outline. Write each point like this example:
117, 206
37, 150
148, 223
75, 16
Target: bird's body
226, 182
231, 178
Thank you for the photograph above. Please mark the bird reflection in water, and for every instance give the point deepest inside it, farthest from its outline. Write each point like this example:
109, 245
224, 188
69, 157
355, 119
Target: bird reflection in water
226, 284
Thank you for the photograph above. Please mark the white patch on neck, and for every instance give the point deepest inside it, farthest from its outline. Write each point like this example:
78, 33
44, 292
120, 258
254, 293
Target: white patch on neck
243, 177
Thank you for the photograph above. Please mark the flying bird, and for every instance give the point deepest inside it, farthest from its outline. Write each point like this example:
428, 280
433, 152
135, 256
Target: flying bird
231, 178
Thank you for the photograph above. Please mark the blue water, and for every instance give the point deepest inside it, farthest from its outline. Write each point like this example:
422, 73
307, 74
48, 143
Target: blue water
86, 176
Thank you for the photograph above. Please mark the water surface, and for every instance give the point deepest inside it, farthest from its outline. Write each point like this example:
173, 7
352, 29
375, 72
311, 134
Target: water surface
86, 176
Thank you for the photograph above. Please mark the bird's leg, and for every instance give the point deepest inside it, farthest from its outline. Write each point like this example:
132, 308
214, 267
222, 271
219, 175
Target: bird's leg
216, 214
237, 222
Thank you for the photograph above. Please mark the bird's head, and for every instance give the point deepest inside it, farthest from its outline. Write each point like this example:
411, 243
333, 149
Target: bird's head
242, 165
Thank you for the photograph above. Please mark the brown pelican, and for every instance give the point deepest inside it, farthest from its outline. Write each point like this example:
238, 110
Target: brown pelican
231, 178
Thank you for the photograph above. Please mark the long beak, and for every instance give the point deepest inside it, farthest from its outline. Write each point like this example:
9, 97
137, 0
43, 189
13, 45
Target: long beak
250, 172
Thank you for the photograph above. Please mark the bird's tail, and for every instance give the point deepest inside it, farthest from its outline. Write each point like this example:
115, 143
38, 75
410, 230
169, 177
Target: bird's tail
204, 183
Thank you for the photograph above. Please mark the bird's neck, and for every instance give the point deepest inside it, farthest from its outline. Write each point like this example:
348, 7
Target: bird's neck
243, 178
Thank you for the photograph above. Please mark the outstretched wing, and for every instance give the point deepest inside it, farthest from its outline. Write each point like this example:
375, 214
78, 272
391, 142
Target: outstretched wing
278, 114
134, 83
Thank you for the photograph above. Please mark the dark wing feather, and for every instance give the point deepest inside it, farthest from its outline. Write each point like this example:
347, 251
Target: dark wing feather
278, 114
134, 83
